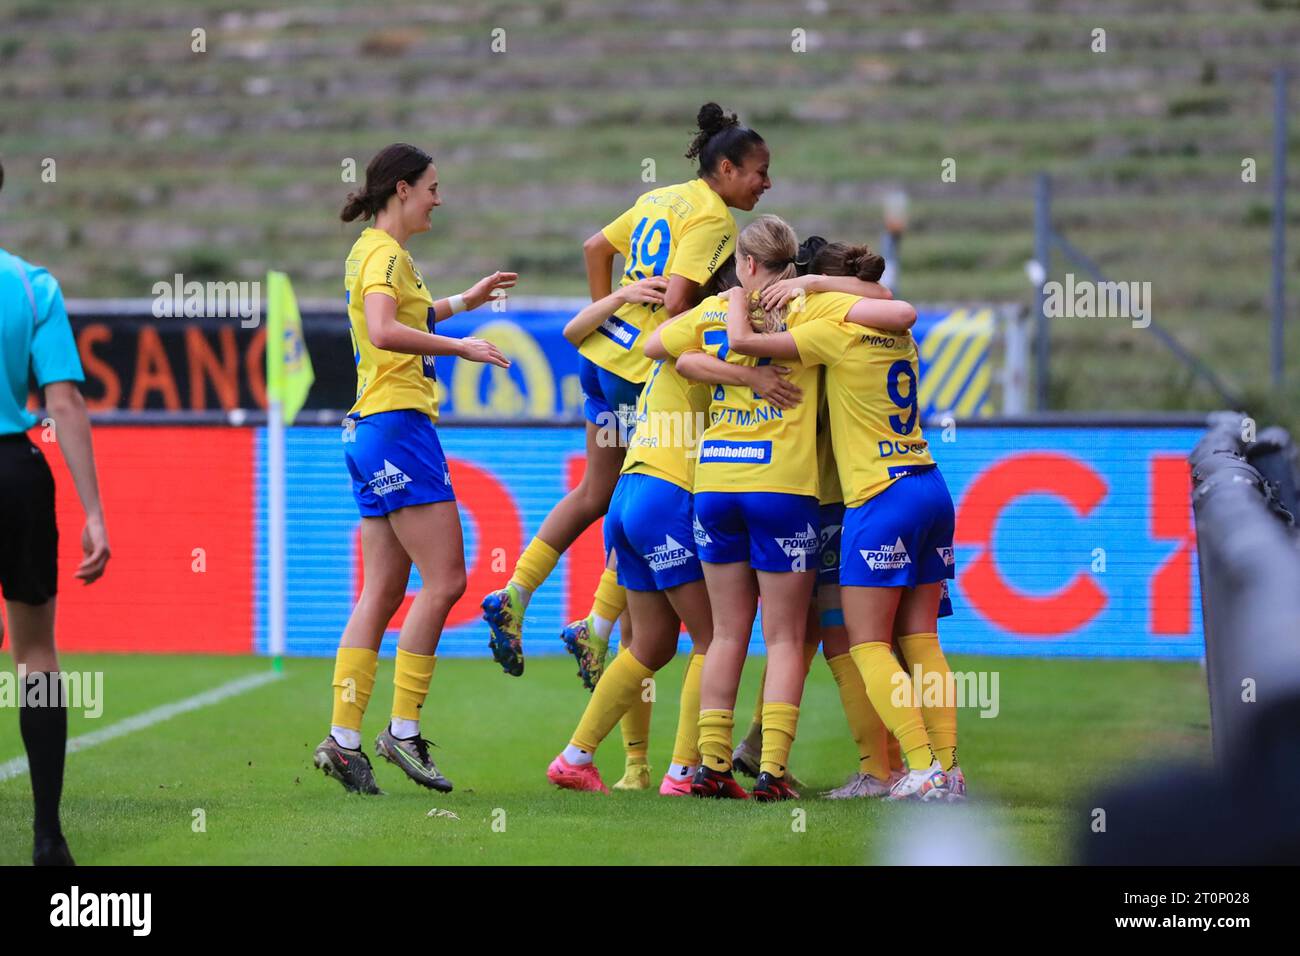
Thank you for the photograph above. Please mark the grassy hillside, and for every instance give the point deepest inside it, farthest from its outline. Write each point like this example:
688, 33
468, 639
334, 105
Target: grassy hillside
220, 164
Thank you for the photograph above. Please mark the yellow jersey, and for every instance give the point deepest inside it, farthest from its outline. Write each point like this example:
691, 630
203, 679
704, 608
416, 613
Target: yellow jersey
387, 381
750, 445
828, 476
871, 391
686, 230
670, 418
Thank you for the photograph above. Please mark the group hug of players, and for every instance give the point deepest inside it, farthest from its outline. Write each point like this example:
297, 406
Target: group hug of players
810, 494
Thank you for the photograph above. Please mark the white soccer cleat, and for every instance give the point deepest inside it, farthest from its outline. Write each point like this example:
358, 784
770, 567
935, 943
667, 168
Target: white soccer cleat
859, 785
928, 784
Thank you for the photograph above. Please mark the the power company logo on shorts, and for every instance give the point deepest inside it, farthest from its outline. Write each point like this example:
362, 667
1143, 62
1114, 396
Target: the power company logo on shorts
76, 909
618, 331
671, 554
701, 536
390, 478
888, 557
751, 452
803, 542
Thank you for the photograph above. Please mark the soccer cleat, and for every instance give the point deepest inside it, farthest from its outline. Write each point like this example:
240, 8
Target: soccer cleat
672, 786
636, 776
349, 767
956, 785
746, 759
412, 755
504, 614
928, 784
859, 785
588, 648
52, 851
718, 784
569, 776
769, 788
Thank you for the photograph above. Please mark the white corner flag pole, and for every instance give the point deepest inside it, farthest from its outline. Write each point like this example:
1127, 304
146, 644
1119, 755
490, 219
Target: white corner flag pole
275, 636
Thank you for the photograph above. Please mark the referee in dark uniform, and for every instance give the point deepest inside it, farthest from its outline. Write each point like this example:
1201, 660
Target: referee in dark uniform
36, 340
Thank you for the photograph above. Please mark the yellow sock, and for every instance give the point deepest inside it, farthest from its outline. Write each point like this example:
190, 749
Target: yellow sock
940, 722
715, 738
890, 691
868, 731
779, 723
618, 688
686, 748
535, 565
610, 599
354, 679
635, 724
411, 683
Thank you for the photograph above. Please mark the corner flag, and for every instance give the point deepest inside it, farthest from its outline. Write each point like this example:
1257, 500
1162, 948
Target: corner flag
289, 374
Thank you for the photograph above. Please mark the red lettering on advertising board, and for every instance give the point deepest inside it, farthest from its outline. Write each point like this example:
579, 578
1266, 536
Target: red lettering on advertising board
992, 491
1170, 599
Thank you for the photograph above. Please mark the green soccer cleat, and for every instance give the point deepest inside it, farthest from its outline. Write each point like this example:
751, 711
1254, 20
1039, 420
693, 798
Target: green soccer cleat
349, 767
588, 648
504, 614
412, 755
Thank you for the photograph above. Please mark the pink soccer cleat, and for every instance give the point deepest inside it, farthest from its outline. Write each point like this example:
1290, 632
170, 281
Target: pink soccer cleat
676, 786
569, 777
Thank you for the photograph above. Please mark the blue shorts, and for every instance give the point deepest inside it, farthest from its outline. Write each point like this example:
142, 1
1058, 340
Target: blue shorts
902, 537
396, 460
606, 393
828, 554
945, 602
772, 531
648, 526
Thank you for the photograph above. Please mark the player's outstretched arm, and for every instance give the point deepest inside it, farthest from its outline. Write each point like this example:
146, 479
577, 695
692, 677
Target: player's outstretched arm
589, 319
769, 381
889, 315
387, 333
783, 290
480, 292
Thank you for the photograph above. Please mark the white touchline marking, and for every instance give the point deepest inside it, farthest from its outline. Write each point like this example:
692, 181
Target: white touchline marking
18, 766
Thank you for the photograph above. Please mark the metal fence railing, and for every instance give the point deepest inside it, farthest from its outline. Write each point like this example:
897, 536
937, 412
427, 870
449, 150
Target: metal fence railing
1244, 502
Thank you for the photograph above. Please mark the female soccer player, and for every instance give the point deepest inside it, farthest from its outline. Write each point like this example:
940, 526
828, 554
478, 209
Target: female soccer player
896, 541
683, 231
399, 474
854, 269
650, 528
756, 506
36, 339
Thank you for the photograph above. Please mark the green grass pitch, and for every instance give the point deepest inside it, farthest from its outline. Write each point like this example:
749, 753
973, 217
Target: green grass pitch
1064, 727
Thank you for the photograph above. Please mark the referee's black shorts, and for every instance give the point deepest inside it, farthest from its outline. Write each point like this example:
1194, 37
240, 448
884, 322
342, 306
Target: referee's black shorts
29, 537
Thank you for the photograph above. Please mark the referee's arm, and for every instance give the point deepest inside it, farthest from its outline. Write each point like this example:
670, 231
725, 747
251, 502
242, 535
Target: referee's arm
64, 403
